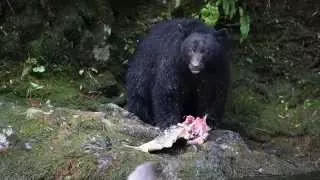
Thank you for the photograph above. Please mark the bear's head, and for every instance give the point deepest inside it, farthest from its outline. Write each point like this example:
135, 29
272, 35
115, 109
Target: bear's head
200, 49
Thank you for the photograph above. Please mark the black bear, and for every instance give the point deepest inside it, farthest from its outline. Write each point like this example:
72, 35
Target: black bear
181, 68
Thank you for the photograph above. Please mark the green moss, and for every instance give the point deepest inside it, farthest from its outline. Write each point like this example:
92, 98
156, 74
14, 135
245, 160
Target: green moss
189, 169
62, 89
278, 107
243, 109
10, 115
54, 146
300, 120
19, 164
35, 129
50, 155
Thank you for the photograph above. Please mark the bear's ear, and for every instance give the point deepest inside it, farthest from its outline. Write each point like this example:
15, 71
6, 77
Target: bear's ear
187, 27
183, 30
180, 27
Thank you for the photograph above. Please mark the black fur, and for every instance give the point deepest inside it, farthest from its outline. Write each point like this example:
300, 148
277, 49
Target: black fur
160, 86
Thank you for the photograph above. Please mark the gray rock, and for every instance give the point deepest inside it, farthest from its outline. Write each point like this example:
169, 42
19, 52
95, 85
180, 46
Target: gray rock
225, 155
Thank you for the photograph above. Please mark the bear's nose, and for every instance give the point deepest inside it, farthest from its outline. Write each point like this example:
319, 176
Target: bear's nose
195, 63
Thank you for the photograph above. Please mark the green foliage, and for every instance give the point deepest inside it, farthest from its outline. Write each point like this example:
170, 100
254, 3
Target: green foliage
228, 6
32, 65
244, 24
33, 87
210, 14
278, 107
39, 69
129, 46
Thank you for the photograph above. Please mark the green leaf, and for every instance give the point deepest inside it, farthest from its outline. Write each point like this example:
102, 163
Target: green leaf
40, 69
244, 24
36, 86
31, 61
240, 11
229, 8
25, 71
210, 14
